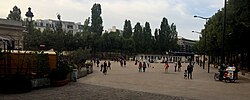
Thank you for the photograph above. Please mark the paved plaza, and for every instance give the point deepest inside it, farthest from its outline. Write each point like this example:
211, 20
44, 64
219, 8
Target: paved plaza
126, 83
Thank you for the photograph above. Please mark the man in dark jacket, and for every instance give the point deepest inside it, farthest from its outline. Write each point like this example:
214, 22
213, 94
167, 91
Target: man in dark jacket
190, 68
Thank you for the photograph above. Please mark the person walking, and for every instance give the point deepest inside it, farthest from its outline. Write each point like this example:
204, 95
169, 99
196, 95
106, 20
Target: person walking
109, 65
97, 62
105, 68
102, 67
121, 62
190, 70
124, 62
166, 66
144, 66
175, 66
140, 67
179, 65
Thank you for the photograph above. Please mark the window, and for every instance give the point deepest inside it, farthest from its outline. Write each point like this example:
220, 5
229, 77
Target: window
80, 26
70, 26
70, 31
41, 24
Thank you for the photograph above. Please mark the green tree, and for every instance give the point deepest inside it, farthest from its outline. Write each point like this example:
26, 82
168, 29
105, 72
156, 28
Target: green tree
15, 14
167, 39
70, 42
49, 37
128, 46
173, 38
164, 36
156, 41
96, 19
86, 27
148, 40
236, 30
127, 30
138, 36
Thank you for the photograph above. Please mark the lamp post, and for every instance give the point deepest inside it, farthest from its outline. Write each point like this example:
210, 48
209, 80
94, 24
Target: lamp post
29, 16
223, 34
205, 18
204, 53
59, 42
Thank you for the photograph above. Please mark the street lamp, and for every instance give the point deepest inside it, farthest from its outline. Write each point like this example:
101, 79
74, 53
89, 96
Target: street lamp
223, 34
202, 17
29, 16
205, 18
196, 32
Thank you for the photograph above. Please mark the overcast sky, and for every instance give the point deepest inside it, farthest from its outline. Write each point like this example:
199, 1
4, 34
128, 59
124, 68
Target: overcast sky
115, 12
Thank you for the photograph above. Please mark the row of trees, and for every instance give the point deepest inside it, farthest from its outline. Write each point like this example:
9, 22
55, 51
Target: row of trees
129, 41
235, 37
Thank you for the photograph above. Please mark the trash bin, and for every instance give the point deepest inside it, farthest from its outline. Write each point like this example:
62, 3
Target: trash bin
74, 75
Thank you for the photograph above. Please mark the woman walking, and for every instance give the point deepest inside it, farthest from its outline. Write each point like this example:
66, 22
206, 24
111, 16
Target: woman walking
105, 68
144, 66
166, 66
140, 67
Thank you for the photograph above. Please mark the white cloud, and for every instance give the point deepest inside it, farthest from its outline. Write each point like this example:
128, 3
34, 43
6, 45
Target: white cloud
114, 12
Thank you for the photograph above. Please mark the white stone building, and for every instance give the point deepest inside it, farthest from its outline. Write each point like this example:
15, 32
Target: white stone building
11, 31
67, 26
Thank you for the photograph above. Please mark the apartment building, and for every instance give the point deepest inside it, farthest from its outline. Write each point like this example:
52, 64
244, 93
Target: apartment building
67, 26
186, 45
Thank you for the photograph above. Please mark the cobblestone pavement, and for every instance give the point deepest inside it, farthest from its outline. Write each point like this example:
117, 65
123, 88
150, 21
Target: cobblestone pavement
81, 91
126, 83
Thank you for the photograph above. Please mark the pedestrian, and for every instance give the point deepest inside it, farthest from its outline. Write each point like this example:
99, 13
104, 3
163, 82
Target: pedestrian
166, 66
109, 65
144, 66
190, 70
140, 67
102, 67
97, 63
200, 63
124, 63
105, 68
121, 62
179, 65
175, 66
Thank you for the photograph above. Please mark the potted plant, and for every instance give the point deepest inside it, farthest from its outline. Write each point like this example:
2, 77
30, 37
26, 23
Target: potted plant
59, 76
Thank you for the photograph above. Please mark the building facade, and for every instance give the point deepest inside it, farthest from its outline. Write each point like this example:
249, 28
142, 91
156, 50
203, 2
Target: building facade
11, 34
186, 45
67, 26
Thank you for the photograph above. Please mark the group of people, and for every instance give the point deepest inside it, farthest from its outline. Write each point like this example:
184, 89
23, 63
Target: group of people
105, 66
123, 63
188, 73
177, 65
142, 66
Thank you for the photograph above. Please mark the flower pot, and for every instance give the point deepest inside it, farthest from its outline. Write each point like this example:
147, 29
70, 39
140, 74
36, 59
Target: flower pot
59, 83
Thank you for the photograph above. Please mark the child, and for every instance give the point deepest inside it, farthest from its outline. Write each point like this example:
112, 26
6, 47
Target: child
185, 74
166, 66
